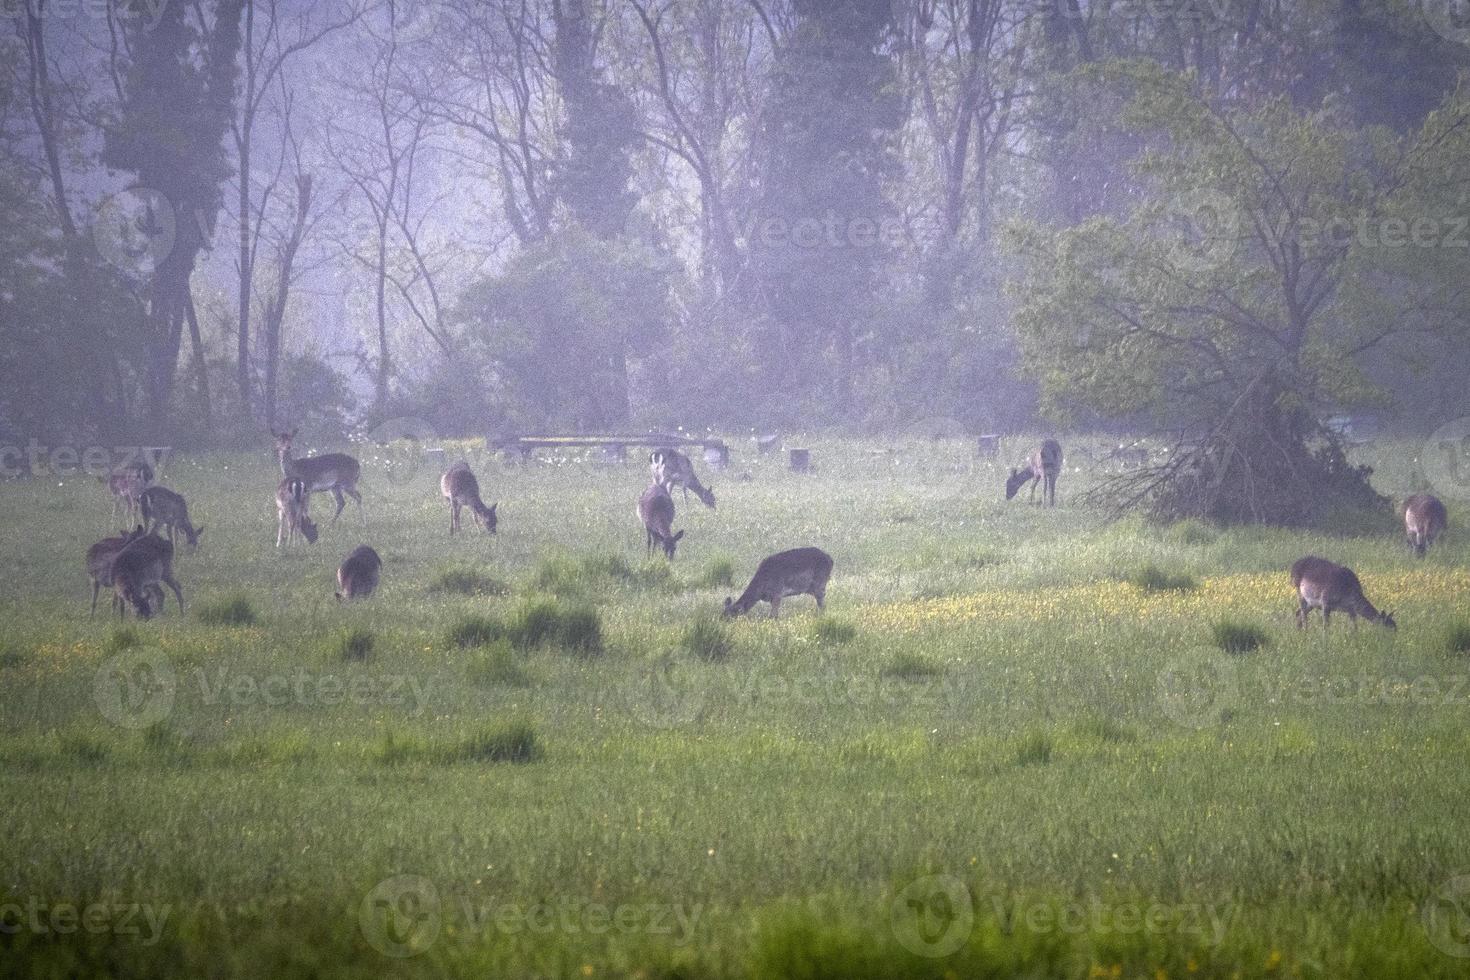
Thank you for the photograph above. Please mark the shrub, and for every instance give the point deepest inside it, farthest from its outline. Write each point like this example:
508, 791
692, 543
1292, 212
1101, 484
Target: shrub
1152, 578
833, 632
355, 645
474, 631
911, 667
467, 581
1457, 638
1233, 636
496, 666
708, 639
233, 610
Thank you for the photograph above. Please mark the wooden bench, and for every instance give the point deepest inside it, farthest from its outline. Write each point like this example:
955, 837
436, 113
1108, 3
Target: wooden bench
614, 445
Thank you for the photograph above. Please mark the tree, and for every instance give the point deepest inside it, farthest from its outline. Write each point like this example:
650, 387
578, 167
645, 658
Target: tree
826, 153
178, 100
1264, 257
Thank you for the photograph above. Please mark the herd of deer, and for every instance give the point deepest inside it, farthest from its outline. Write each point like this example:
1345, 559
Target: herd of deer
137, 564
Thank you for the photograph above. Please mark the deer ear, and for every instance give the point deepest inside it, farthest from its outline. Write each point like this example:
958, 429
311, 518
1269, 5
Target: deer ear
678, 535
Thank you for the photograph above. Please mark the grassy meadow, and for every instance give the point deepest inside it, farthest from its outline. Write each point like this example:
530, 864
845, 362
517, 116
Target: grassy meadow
1019, 741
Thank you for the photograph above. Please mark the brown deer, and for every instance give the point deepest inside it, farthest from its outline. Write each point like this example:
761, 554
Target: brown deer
292, 503
1425, 519
336, 473
800, 571
1321, 584
127, 484
673, 469
461, 489
357, 576
99, 562
1044, 466
164, 508
656, 511
137, 571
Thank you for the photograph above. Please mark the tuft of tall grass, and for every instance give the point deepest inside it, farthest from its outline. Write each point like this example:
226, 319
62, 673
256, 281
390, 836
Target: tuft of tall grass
1457, 637
708, 639
719, 573
513, 741
122, 638
1236, 636
1034, 749
466, 580
475, 630
1152, 578
356, 645
546, 622
233, 610
910, 666
496, 666
830, 631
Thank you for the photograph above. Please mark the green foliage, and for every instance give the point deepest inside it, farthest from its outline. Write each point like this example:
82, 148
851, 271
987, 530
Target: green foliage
496, 665
1457, 638
513, 741
831, 631
122, 638
232, 610
1034, 749
542, 622
475, 630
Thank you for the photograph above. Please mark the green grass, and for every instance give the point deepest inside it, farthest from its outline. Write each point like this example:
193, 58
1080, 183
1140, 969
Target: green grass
547, 717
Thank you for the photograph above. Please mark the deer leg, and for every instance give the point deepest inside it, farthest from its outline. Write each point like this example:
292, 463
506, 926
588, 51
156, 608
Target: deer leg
1301, 614
172, 583
96, 588
775, 606
821, 596
352, 492
453, 517
341, 502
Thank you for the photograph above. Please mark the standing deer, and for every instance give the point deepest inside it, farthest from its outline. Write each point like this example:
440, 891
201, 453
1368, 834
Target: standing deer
1321, 584
1425, 519
461, 489
357, 576
656, 511
162, 507
334, 472
292, 503
137, 571
99, 562
800, 571
1044, 465
673, 469
127, 484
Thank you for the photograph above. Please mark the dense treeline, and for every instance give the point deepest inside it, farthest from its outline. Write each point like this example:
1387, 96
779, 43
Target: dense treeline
768, 213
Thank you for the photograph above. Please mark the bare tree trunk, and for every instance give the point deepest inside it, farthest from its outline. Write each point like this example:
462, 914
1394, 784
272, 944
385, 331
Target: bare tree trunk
201, 370
276, 313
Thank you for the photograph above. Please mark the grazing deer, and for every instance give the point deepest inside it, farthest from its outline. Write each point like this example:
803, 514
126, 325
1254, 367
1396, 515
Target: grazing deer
357, 576
99, 562
127, 484
1321, 584
292, 502
461, 489
334, 472
1425, 519
656, 511
1044, 465
162, 507
137, 571
673, 469
800, 571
